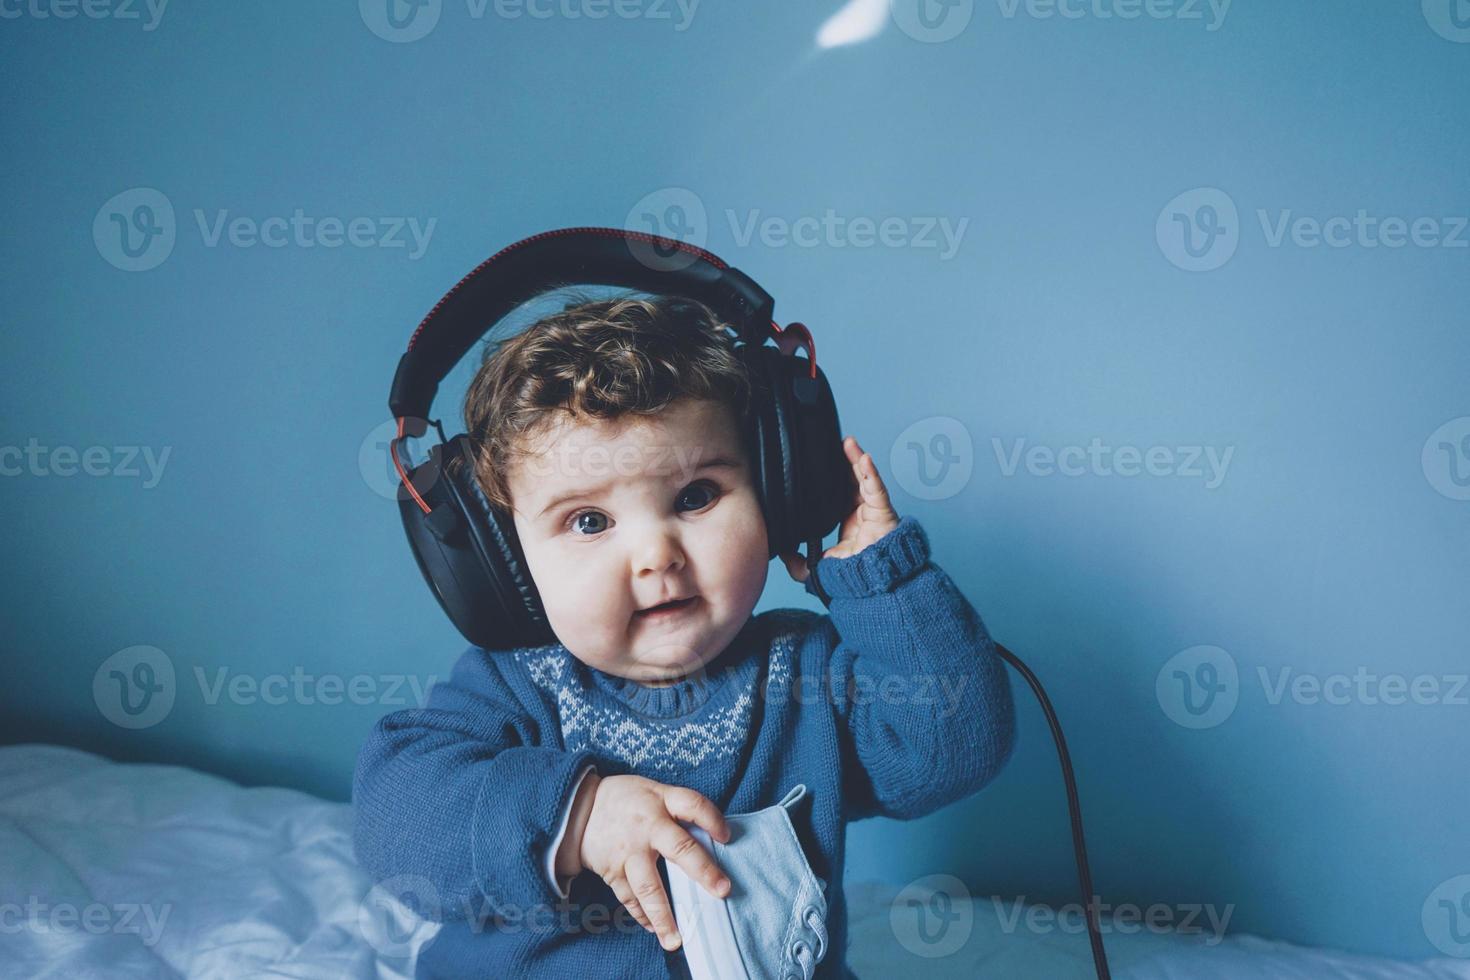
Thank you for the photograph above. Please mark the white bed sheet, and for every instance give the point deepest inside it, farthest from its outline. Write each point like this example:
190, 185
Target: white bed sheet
146, 871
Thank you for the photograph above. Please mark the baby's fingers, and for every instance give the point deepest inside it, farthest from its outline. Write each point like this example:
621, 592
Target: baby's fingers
677, 845
624, 892
648, 888
693, 806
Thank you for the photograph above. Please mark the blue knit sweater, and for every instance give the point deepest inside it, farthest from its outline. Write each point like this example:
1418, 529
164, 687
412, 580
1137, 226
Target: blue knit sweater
893, 704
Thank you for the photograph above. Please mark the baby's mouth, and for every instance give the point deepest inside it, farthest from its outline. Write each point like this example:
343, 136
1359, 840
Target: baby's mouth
667, 609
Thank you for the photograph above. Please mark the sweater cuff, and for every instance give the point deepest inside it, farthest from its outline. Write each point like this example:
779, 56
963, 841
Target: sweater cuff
563, 885
877, 568
515, 819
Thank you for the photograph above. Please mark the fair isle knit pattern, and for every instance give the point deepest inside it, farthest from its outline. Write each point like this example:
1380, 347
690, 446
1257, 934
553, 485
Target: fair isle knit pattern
643, 744
465, 795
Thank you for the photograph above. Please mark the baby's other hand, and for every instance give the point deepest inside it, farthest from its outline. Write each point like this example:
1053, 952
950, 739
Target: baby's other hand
872, 515
634, 820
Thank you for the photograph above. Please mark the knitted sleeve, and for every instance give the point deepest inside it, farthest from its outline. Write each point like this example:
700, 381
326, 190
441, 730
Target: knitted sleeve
923, 701
459, 797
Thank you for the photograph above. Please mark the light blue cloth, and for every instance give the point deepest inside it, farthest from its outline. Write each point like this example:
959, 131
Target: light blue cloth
775, 916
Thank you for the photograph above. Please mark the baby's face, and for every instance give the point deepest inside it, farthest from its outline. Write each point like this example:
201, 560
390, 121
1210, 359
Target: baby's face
618, 517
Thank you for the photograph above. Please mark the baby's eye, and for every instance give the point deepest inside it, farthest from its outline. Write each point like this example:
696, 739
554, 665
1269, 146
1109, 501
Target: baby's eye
704, 492
576, 521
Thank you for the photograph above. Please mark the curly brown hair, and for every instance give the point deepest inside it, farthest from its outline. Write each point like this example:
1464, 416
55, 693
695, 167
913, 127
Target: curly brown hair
600, 359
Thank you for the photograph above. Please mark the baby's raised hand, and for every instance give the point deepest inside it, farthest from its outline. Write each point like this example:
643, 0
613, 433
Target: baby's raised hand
872, 514
633, 820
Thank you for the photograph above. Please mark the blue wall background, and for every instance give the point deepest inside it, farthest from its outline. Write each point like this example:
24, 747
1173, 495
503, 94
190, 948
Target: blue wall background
1337, 541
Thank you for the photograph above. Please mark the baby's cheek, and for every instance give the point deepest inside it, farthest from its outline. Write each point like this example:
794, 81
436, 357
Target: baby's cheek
746, 529
577, 584
743, 550
558, 580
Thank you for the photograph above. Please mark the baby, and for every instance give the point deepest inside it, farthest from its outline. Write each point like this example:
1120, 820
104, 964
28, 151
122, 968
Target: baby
532, 798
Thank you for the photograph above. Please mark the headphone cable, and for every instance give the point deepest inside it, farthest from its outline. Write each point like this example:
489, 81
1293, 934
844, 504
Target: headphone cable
1074, 809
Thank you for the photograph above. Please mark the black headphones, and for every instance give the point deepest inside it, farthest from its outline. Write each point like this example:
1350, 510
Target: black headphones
468, 549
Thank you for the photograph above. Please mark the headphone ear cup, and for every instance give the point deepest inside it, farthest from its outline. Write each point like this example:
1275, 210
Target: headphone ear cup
470, 555
806, 483
826, 489
772, 467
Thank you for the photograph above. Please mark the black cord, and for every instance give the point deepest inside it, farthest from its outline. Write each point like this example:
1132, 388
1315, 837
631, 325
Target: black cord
1074, 808
813, 557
